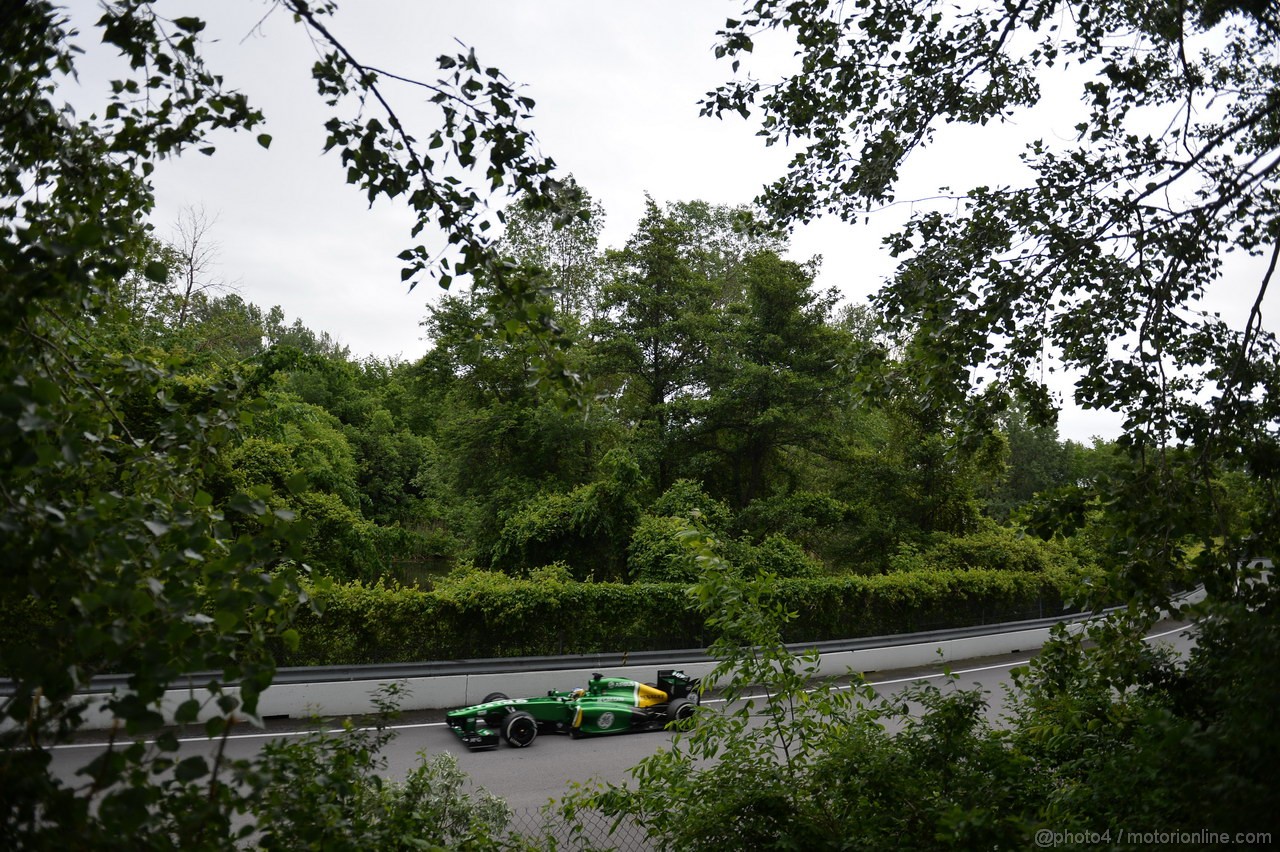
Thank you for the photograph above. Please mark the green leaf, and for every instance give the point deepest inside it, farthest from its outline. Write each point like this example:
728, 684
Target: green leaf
187, 711
190, 769
264, 139
156, 271
297, 483
245, 504
44, 390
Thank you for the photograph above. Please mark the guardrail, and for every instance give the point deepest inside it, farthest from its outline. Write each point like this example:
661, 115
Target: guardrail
349, 690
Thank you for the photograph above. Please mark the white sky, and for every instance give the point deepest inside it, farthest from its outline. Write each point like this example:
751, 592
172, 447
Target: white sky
617, 87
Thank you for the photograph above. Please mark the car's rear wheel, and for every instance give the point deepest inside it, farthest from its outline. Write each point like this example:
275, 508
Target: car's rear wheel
494, 696
519, 729
681, 709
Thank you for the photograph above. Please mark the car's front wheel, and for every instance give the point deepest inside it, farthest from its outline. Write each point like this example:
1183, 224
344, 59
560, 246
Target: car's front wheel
519, 729
494, 696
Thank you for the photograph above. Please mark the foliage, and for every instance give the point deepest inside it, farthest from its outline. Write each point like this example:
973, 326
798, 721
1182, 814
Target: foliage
822, 525
791, 763
992, 547
475, 612
1037, 462
1105, 259
687, 499
1131, 735
769, 380
778, 556
589, 527
107, 520
500, 439
327, 791
656, 556
655, 333
565, 247
1106, 256
1097, 741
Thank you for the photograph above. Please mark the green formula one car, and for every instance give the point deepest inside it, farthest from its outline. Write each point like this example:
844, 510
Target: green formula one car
609, 705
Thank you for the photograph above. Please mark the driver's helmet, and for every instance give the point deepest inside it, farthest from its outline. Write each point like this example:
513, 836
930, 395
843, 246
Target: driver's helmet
579, 692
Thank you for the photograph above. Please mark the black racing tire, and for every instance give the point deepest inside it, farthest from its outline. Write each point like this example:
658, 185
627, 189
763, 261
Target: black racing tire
494, 696
680, 709
519, 729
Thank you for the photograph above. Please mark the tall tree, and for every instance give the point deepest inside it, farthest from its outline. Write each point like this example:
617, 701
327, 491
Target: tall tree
196, 252
1104, 256
115, 557
655, 333
768, 379
719, 239
565, 244
1037, 462
502, 439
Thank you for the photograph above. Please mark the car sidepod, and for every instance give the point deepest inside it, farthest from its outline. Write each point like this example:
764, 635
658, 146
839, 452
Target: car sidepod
611, 717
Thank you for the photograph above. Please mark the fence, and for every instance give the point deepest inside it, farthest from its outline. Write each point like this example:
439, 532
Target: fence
591, 830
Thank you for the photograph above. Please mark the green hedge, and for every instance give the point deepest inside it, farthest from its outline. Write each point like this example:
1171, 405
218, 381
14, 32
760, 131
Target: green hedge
486, 615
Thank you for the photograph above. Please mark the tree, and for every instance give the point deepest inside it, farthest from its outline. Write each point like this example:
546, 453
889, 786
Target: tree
1103, 257
196, 252
502, 440
1037, 462
720, 238
656, 332
768, 378
116, 557
566, 247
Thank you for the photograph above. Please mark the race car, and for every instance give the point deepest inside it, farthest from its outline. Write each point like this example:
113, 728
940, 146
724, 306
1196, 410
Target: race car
608, 705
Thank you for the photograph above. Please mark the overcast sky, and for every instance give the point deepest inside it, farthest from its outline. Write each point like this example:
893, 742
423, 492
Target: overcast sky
617, 89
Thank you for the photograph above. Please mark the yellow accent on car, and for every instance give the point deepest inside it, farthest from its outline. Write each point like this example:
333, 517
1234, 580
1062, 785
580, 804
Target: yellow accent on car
577, 718
647, 696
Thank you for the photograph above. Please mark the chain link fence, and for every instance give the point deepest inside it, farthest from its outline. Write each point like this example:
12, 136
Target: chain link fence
590, 831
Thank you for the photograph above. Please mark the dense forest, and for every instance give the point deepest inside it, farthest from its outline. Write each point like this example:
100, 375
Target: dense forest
722, 385
191, 483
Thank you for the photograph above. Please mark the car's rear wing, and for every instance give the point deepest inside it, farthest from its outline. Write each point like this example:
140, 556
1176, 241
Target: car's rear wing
676, 683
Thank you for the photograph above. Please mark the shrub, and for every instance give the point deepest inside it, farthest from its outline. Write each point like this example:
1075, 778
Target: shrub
993, 547
686, 499
326, 791
475, 613
340, 540
777, 555
588, 528
656, 555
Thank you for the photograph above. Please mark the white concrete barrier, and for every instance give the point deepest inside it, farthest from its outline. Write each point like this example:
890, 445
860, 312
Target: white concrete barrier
355, 697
